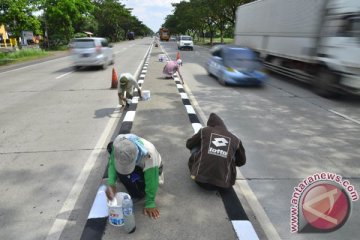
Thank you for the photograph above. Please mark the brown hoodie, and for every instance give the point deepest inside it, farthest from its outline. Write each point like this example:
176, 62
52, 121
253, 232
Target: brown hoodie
219, 154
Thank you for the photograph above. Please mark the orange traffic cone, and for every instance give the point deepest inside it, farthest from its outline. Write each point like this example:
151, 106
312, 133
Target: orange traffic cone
177, 56
114, 80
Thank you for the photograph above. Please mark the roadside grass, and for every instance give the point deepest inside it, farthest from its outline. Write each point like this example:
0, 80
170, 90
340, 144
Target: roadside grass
206, 41
22, 55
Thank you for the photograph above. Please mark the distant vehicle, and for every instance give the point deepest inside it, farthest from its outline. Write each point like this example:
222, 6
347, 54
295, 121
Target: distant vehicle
93, 51
235, 65
185, 42
164, 34
317, 42
172, 38
131, 36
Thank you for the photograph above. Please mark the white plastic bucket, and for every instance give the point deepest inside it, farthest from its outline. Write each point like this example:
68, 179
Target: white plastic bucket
116, 217
161, 57
145, 94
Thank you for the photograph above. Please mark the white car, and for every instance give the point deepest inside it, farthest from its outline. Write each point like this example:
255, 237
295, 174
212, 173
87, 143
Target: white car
185, 42
91, 51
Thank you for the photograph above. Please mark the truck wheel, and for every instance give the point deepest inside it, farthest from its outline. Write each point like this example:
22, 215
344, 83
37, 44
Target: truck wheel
324, 81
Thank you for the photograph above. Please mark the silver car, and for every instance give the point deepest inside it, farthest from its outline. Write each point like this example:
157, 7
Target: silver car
91, 51
185, 42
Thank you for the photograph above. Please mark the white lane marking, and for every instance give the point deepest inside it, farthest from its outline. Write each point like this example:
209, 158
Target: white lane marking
242, 187
345, 116
69, 204
32, 65
63, 75
244, 230
249, 195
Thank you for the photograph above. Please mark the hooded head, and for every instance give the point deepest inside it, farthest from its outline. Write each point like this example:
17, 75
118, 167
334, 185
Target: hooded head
125, 153
215, 121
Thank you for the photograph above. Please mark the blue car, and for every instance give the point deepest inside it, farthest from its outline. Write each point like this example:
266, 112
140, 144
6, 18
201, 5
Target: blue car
234, 65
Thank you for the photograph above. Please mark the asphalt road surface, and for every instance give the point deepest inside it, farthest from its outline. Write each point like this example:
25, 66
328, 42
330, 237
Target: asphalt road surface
55, 124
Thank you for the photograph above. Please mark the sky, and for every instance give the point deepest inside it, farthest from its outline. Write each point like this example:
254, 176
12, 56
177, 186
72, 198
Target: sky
151, 12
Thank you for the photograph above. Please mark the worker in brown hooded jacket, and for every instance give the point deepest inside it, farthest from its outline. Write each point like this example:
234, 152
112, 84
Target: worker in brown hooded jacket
215, 154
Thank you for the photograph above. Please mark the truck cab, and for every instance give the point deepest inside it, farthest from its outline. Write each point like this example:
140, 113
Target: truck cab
339, 47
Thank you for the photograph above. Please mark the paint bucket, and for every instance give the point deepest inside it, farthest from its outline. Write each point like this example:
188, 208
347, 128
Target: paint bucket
145, 94
161, 57
116, 217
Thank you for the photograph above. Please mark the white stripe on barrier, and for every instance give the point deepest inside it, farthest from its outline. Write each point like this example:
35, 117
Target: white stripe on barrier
196, 127
135, 100
140, 81
184, 96
244, 230
130, 116
142, 76
179, 86
190, 109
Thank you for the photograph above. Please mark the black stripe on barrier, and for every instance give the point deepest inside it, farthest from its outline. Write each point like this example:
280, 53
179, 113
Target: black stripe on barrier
193, 118
234, 209
94, 229
186, 102
125, 127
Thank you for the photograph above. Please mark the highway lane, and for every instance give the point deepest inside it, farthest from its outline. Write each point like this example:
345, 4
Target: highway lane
55, 123
289, 133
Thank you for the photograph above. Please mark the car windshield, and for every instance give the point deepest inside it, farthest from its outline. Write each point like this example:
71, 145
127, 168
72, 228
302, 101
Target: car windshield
240, 58
83, 43
186, 38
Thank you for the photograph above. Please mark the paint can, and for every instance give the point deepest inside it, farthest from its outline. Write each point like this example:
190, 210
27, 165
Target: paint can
116, 216
145, 95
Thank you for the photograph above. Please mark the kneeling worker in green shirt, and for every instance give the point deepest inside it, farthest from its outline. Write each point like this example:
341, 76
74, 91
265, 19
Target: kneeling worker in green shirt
137, 164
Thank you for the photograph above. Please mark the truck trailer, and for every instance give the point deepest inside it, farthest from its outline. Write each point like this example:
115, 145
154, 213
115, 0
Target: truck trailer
314, 41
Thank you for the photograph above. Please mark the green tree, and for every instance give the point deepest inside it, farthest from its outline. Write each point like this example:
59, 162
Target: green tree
18, 16
62, 16
202, 16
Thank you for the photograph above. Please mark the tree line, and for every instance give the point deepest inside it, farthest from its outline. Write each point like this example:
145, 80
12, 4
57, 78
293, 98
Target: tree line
61, 20
204, 18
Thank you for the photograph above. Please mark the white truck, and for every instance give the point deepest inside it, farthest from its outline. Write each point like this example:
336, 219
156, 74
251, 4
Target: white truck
315, 41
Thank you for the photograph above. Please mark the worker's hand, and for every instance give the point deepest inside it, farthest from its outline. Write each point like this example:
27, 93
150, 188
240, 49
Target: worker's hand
110, 192
152, 213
